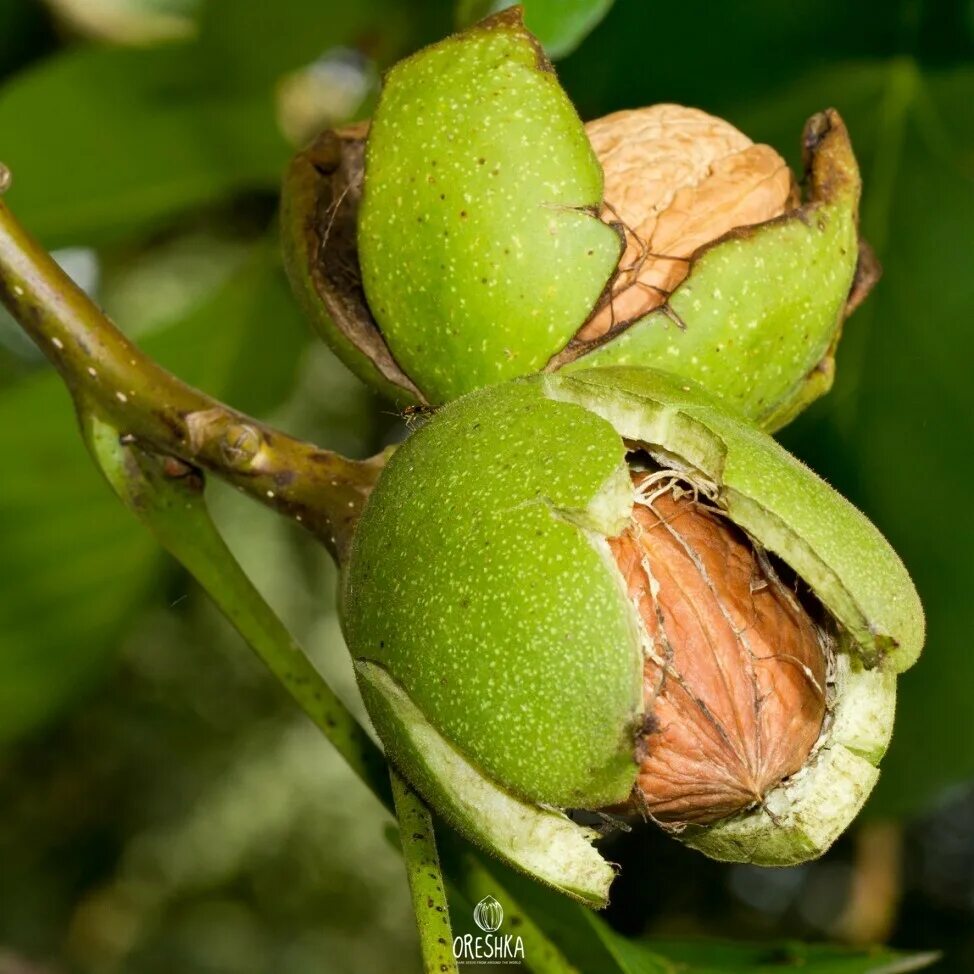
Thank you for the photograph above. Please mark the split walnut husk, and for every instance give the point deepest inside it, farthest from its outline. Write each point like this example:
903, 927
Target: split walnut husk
508, 238
676, 179
599, 591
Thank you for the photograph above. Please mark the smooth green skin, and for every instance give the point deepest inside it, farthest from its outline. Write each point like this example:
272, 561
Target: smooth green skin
479, 247
761, 311
495, 644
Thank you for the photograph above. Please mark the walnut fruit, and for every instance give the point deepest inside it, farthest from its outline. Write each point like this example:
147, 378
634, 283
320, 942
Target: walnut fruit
676, 179
598, 590
479, 232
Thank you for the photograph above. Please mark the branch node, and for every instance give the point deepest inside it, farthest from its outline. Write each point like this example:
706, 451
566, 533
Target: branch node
198, 425
240, 445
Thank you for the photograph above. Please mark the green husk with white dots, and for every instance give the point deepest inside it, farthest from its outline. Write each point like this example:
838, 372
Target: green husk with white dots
758, 318
458, 241
480, 246
500, 658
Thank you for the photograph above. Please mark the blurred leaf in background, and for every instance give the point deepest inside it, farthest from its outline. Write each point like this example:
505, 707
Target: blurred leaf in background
138, 142
143, 139
137, 22
560, 25
701, 957
74, 568
107, 142
168, 160
161, 807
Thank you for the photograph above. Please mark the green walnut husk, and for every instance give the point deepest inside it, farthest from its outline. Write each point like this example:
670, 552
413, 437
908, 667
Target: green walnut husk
500, 658
456, 242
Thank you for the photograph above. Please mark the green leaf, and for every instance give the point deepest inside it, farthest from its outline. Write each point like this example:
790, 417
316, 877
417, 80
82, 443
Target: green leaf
108, 142
589, 943
104, 142
73, 571
726, 957
578, 932
560, 25
716, 957
270, 338
251, 43
735, 57
630, 956
75, 568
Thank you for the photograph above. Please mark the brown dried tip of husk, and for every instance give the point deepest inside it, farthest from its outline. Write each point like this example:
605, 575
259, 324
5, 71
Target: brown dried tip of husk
676, 178
735, 668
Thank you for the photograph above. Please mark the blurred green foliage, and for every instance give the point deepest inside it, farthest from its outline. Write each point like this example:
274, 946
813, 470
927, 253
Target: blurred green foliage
560, 25
161, 807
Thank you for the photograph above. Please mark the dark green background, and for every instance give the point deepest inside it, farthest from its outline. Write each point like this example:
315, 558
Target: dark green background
161, 807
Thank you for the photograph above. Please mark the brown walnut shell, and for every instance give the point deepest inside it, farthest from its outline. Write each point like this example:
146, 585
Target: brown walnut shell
734, 668
676, 179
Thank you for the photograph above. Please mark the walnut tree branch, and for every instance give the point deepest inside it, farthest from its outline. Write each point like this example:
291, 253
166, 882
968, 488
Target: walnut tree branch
108, 374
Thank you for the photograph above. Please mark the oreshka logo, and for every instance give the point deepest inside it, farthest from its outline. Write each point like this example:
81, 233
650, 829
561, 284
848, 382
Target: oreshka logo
494, 946
488, 914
